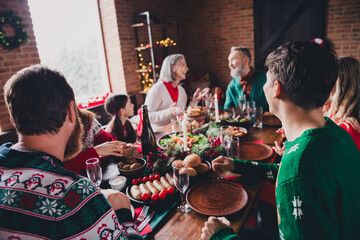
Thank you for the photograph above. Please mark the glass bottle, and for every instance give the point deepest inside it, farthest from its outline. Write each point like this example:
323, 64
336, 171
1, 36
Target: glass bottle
148, 139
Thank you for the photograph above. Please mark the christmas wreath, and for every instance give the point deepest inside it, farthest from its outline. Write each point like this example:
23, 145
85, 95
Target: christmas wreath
21, 35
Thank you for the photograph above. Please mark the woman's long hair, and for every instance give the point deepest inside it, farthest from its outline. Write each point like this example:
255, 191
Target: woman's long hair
346, 101
112, 105
166, 73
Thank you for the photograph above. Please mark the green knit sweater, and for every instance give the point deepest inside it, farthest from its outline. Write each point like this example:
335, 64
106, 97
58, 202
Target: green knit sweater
316, 188
234, 91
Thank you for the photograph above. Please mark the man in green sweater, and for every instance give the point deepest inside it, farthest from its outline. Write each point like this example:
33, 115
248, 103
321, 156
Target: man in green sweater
316, 183
247, 83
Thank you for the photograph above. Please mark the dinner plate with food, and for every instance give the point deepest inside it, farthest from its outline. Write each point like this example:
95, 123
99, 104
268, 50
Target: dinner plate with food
195, 113
152, 189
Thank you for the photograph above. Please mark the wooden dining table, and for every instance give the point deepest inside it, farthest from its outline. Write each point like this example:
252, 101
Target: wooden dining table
188, 226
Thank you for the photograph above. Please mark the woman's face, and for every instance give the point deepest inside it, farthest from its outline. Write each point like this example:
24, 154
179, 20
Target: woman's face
128, 110
180, 69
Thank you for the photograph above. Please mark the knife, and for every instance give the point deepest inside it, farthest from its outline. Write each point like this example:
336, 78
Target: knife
146, 221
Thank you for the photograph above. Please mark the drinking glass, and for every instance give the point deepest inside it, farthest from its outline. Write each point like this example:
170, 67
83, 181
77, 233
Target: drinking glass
259, 118
94, 171
180, 112
233, 147
209, 102
175, 125
181, 181
225, 134
242, 104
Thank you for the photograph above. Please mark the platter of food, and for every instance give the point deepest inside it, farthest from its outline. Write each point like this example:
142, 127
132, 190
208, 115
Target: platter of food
175, 140
196, 113
152, 189
196, 167
253, 151
216, 198
235, 120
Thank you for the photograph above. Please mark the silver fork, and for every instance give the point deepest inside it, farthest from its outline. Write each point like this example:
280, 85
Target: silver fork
143, 213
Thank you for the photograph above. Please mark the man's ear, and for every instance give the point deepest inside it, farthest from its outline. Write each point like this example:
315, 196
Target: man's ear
277, 89
72, 111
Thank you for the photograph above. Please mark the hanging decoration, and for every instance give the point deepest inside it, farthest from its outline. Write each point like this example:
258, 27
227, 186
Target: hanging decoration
21, 35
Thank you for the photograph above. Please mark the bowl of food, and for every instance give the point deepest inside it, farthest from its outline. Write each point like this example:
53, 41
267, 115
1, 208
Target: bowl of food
118, 183
133, 167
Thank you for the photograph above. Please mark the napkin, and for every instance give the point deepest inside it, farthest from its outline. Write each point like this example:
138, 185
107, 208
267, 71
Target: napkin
147, 228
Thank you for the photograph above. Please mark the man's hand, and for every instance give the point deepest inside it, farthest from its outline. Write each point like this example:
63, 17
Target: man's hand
279, 150
212, 225
116, 199
222, 166
200, 94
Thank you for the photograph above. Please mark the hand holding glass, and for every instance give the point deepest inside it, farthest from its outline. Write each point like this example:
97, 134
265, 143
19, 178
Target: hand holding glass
94, 171
181, 181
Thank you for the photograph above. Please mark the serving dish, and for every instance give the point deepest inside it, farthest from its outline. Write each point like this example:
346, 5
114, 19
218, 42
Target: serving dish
253, 151
216, 198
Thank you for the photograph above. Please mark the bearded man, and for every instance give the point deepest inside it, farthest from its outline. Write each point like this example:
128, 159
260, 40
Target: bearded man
44, 200
247, 83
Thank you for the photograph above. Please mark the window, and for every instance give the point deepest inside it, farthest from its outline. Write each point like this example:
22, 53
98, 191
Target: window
68, 37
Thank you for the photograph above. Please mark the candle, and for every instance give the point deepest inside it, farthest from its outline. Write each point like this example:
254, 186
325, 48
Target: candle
216, 108
184, 127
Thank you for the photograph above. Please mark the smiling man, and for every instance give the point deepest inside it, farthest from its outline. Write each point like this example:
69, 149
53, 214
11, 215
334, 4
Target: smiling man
316, 184
247, 82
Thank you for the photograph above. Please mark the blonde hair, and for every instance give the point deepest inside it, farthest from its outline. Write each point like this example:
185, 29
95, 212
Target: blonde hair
346, 101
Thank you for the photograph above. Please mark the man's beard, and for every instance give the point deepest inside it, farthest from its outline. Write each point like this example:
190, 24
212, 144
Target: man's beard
74, 144
237, 71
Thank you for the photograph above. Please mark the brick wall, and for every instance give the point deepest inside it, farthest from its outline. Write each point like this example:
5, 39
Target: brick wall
12, 61
124, 58
209, 29
343, 27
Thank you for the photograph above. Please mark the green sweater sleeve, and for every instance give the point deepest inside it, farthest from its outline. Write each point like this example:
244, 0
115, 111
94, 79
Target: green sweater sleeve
255, 171
225, 233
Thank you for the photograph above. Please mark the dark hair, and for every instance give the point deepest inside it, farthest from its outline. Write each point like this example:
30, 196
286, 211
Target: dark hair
115, 102
242, 49
38, 100
306, 72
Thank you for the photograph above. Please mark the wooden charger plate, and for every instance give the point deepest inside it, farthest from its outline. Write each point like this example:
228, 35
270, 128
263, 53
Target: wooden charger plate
271, 120
216, 198
253, 151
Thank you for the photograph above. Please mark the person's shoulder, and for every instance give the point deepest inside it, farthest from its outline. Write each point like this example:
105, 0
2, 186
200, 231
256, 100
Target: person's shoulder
233, 83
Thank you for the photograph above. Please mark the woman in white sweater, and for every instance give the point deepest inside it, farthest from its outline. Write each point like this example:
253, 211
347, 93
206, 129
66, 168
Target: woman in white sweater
166, 98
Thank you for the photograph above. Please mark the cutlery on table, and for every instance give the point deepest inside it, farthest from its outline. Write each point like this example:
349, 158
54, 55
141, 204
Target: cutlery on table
143, 213
146, 221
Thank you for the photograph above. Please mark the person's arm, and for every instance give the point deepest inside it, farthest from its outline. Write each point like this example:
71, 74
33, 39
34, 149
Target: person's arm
102, 136
255, 171
229, 96
153, 102
306, 212
78, 163
84, 211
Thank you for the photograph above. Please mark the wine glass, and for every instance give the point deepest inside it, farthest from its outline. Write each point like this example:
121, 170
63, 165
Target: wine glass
225, 134
181, 181
94, 171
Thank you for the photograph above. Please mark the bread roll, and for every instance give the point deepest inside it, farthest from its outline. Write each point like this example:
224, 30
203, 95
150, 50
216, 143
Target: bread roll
192, 160
191, 171
178, 163
202, 168
135, 192
135, 166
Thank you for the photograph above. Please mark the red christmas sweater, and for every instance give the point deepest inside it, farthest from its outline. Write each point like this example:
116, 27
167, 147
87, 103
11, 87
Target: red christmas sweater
95, 136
